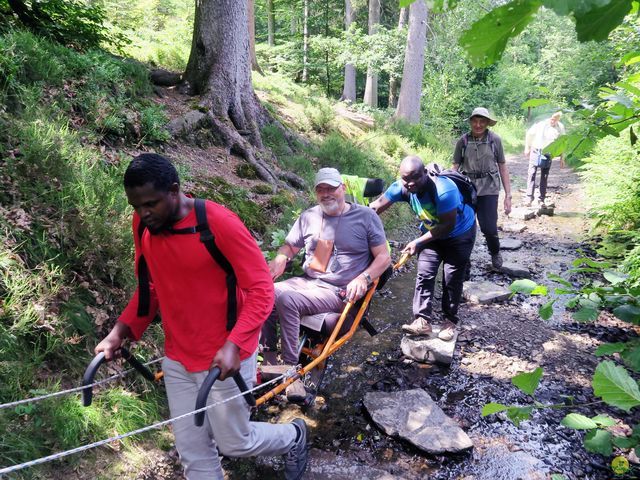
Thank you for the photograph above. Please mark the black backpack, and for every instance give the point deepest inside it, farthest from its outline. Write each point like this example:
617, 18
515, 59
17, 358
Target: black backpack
208, 239
464, 184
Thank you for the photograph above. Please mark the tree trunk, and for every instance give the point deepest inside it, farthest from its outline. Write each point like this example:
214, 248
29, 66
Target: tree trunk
411, 88
252, 38
394, 82
371, 87
349, 89
219, 70
305, 41
271, 24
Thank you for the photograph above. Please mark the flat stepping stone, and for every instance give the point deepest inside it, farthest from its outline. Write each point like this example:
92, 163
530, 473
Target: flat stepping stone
514, 227
498, 462
325, 465
484, 292
510, 244
523, 213
546, 211
413, 416
429, 349
515, 270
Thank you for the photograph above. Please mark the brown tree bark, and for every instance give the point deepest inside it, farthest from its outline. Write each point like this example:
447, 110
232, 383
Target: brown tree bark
394, 82
219, 71
411, 88
271, 24
349, 89
371, 87
252, 38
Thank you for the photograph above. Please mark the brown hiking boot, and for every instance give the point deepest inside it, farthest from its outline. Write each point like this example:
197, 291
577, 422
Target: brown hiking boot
448, 331
296, 393
419, 326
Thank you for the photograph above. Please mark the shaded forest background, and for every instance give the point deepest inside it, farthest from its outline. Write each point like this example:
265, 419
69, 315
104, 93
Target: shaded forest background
76, 103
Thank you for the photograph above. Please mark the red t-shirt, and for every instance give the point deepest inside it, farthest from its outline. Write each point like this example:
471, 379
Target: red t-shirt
189, 289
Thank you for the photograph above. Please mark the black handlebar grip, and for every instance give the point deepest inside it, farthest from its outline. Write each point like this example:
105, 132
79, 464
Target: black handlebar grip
89, 375
203, 393
90, 372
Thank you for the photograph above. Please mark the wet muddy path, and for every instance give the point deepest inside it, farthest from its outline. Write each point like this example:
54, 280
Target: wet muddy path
497, 341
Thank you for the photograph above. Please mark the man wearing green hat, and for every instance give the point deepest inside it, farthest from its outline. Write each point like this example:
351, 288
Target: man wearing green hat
479, 155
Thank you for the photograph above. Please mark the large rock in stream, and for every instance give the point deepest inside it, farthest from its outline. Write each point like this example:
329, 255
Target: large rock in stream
429, 349
413, 416
484, 292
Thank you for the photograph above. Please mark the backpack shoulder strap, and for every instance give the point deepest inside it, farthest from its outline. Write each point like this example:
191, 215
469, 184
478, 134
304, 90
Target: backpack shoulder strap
143, 278
208, 239
491, 138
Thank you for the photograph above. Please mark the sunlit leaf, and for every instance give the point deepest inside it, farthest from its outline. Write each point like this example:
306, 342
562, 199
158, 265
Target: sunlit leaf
558, 476
625, 442
597, 23
613, 384
528, 381
620, 465
539, 290
631, 357
598, 441
604, 420
518, 414
491, 408
628, 313
615, 277
487, 38
609, 349
523, 286
578, 422
546, 311
534, 102
585, 314
558, 279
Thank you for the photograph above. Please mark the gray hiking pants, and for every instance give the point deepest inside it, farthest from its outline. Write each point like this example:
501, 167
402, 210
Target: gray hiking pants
227, 429
295, 298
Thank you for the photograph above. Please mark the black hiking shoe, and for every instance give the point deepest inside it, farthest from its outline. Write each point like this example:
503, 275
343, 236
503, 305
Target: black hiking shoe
295, 460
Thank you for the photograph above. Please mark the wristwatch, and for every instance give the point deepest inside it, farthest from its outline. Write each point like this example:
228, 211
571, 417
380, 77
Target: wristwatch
367, 277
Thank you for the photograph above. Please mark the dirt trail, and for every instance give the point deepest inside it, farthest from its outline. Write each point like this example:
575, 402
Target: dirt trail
497, 342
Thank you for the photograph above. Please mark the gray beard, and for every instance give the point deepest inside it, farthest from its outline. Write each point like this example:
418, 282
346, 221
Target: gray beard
332, 210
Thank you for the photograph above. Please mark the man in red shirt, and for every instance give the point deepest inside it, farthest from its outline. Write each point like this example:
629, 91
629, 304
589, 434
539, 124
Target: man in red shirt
188, 287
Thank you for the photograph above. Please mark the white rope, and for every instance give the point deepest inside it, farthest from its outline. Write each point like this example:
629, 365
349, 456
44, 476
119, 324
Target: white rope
75, 389
3, 471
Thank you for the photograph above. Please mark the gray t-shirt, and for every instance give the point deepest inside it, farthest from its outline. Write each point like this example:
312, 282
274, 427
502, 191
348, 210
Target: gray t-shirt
354, 234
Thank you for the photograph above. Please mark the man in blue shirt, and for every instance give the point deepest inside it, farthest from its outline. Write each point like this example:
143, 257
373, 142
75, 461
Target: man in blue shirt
448, 233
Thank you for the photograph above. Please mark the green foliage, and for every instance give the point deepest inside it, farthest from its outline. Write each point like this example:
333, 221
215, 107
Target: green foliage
528, 381
237, 199
72, 23
337, 152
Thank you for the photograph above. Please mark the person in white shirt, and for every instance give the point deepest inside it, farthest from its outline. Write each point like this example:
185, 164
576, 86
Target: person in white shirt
538, 137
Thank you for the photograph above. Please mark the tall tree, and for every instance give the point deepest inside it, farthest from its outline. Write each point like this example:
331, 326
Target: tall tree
394, 82
252, 38
411, 88
371, 87
219, 70
305, 42
271, 24
349, 89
